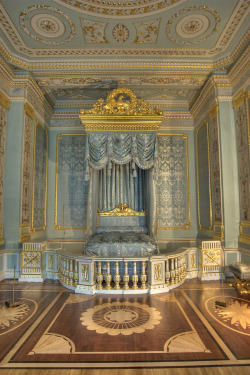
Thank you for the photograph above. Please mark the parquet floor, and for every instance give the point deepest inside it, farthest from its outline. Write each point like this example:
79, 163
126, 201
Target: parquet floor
181, 332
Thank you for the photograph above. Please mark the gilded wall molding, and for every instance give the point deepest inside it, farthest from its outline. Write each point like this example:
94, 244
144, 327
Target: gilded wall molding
29, 111
4, 101
209, 229
239, 99
33, 227
213, 111
24, 233
248, 115
1, 235
244, 237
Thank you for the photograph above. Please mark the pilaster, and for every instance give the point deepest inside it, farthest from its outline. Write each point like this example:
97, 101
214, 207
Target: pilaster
13, 162
230, 180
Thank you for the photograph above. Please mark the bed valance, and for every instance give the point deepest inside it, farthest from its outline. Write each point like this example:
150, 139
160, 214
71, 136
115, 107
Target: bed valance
103, 149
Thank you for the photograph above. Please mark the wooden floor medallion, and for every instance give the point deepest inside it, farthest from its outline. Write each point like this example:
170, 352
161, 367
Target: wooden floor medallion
123, 318
76, 330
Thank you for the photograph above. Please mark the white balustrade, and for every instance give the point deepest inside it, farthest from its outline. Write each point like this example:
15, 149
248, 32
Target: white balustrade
159, 273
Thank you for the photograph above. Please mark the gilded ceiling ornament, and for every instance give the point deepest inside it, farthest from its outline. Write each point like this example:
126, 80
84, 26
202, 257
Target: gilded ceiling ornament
147, 32
120, 33
93, 31
120, 9
202, 22
45, 24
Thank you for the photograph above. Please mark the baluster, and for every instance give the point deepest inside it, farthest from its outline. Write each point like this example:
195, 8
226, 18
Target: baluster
182, 267
108, 277
176, 270
134, 277
76, 273
126, 276
59, 268
117, 276
143, 277
99, 277
70, 272
167, 273
172, 273
63, 269
67, 271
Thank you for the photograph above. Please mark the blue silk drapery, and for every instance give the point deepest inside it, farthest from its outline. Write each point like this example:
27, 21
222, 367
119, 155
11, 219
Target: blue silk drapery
121, 184
115, 168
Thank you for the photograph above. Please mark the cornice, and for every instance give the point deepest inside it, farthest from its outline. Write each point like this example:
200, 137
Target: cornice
210, 88
26, 82
240, 67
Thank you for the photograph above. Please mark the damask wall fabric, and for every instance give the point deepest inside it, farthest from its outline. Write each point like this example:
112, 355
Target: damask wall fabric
243, 160
27, 162
72, 189
215, 170
172, 185
203, 178
3, 125
40, 179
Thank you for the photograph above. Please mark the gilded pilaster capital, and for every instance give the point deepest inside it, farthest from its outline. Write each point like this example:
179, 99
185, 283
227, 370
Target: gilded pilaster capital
29, 111
239, 99
4, 101
213, 110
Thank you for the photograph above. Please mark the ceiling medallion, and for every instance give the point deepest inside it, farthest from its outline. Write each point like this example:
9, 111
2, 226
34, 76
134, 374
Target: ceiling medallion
123, 318
120, 9
197, 24
120, 33
45, 24
192, 26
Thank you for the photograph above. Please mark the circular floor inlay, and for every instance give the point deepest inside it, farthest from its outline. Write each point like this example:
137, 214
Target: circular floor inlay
121, 318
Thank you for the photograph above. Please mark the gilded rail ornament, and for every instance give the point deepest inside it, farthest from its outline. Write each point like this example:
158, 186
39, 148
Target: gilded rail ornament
122, 209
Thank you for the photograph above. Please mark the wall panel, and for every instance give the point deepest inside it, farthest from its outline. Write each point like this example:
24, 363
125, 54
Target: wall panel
203, 178
39, 199
173, 204
71, 187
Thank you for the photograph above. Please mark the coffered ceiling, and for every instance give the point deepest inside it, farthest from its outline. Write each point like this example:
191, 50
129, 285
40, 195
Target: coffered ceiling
165, 50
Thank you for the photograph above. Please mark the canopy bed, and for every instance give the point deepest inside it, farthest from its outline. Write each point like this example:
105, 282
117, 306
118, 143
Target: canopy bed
121, 157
